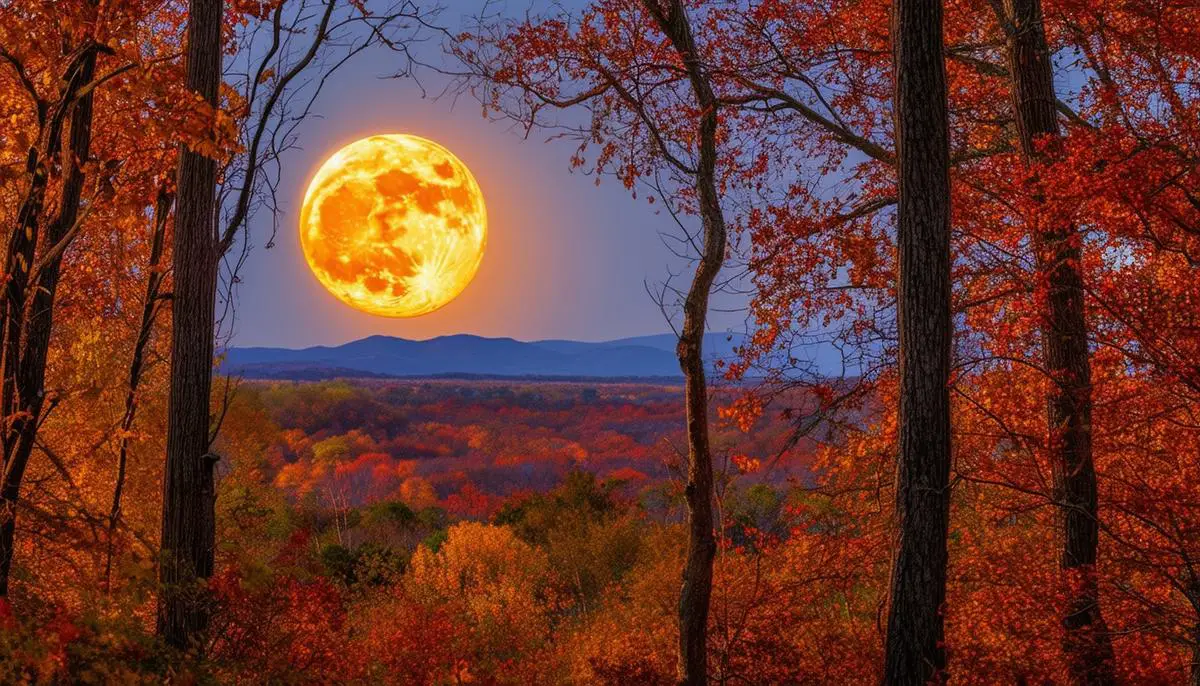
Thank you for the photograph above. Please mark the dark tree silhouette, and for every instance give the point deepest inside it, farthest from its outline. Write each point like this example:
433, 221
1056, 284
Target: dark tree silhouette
188, 529
203, 236
33, 263
520, 80
1086, 643
696, 592
915, 630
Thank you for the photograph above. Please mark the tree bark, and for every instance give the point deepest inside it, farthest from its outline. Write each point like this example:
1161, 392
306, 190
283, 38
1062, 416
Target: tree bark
29, 321
188, 535
696, 590
1086, 643
1193, 596
915, 653
1194, 672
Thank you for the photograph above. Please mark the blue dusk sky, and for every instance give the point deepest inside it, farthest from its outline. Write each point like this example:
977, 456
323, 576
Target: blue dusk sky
565, 258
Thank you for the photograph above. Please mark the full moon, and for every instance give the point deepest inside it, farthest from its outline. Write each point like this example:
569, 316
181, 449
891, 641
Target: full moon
394, 225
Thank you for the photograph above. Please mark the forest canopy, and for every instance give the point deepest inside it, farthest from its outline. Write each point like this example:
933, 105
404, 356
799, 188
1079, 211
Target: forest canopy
991, 210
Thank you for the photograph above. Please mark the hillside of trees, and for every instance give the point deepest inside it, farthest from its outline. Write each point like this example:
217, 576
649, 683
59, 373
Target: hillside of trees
989, 210
467, 445
508, 532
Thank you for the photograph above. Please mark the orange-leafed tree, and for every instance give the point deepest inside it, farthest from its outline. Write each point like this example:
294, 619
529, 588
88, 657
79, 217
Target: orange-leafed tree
65, 67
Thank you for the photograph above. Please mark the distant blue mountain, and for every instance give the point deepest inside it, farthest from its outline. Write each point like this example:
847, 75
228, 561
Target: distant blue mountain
466, 355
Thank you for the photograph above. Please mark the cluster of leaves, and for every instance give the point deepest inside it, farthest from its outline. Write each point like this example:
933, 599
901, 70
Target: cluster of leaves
808, 170
387, 532
95, 106
579, 583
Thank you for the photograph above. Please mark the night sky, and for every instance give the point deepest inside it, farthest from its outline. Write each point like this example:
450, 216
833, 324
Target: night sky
565, 258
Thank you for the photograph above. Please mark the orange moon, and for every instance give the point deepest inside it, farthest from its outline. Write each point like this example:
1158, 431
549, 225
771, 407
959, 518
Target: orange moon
394, 225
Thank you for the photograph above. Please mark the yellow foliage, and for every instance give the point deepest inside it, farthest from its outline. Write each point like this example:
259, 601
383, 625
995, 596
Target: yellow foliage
494, 581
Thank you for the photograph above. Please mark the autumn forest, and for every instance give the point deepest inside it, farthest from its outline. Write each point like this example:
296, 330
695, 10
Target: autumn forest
957, 440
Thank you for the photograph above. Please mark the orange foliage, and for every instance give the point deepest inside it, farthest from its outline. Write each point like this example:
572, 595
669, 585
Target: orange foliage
437, 532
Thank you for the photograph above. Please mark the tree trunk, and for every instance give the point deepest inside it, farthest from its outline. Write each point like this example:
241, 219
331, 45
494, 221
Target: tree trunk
696, 590
29, 321
915, 653
187, 526
1194, 672
1087, 644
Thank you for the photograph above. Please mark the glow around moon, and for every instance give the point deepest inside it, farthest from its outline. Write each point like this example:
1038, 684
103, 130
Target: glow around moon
394, 225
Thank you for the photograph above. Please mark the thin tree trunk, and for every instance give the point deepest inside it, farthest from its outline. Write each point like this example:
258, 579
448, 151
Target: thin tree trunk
696, 591
150, 309
1087, 643
188, 490
1194, 672
915, 653
1193, 596
29, 321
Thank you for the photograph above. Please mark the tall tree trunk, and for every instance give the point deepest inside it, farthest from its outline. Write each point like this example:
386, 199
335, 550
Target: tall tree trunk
915, 653
188, 535
1194, 672
29, 321
1087, 643
1192, 593
696, 590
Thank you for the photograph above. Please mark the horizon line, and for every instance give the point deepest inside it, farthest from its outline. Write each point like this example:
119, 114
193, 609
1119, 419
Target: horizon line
468, 335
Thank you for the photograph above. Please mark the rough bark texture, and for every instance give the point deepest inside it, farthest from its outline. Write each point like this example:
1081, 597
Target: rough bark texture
29, 321
1193, 596
188, 522
1086, 642
914, 651
696, 591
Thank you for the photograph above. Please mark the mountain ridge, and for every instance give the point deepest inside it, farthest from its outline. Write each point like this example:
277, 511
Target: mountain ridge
471, 355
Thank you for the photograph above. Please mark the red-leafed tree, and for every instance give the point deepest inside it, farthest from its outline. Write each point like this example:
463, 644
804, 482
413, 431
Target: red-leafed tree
640, 71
